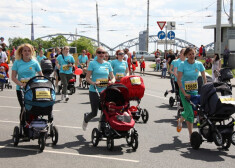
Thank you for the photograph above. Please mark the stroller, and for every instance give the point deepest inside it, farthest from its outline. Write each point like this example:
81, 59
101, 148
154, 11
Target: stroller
116, 120
71, 85
4, 77
47, 68
39, 98
85, 84
135, 85
225, 75
215, 122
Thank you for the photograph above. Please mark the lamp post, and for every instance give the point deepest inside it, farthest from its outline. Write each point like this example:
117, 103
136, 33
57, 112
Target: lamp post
32, 26
98, 29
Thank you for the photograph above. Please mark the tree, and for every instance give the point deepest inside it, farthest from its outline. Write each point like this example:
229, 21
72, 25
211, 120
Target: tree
59, 41
84, 44
17, 41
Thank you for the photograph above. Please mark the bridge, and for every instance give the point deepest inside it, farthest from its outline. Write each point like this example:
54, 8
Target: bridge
127, 44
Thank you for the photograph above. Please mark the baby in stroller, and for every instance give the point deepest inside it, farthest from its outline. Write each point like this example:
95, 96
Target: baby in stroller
135, 85
215, 122
116, 120
83, 83
4, 76
38, 99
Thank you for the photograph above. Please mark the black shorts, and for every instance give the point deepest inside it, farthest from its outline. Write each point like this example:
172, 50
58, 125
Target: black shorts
82, 75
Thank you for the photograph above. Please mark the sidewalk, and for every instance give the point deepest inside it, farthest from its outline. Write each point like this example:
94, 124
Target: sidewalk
149, 71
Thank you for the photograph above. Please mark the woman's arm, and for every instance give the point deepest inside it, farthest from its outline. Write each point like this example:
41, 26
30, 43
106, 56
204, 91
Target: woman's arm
88, 78
57, 64
112, 77
127, 71
175, 72
14, 79
204, 77
170, 70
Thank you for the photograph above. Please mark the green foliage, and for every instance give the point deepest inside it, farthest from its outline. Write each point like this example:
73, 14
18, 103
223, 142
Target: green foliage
59, 41
18, 41
83, 44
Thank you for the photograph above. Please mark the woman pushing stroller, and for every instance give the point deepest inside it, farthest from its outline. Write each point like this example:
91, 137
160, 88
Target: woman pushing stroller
187, 81
23, 69
82, 63
97, 74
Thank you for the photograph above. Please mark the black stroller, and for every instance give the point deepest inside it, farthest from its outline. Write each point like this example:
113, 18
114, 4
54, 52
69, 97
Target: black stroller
47, 69
225, 75
214, 120
39, 98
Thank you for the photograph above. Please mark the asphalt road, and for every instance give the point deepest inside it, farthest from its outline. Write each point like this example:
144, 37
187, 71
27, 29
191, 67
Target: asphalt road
159, 143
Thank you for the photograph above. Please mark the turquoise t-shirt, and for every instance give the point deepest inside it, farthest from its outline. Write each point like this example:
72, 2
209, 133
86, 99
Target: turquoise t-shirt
82, 60
190, 75
40, 58
176, 64
63, 62
99, 71
25, 70
119, 68
95, 58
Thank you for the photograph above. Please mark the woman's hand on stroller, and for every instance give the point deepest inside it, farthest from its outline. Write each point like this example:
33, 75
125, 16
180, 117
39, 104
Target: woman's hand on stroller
187, 96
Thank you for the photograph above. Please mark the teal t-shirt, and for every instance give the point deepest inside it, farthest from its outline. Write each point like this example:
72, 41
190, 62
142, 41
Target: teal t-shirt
176, 64
190, 75
95, 58
119, 68
99, 71
82, 60
40, 58
25, 70
63, 62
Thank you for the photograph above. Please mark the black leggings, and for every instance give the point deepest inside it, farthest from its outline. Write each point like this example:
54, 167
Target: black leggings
20, 100
95, 101
173, 85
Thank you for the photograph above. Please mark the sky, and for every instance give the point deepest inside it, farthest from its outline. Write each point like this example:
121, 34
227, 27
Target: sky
120, 20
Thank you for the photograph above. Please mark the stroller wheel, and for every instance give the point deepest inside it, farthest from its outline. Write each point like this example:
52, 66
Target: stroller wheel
145, 115
233, 138
71, 91
226, 143
171, 101
54, 135
95, 137
16, 135
195, 140
128, 138
74, 90
110, 143
218, 139
134, 141
42, 141
83, 83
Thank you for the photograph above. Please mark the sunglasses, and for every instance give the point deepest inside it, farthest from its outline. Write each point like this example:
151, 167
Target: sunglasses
120, 53
101, 52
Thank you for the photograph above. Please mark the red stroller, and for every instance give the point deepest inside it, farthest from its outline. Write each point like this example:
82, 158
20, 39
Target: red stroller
116, 120
7, 82
135, 85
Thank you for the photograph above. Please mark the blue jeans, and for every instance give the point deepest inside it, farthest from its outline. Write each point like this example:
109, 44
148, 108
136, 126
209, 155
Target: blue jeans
164, 72
158, 67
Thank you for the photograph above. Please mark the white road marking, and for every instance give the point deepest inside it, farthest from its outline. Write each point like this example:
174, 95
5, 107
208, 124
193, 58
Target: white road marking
18, 107
62, 126
156, 96
73, 154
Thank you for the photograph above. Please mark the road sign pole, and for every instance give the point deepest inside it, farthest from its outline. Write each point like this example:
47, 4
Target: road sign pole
166, 39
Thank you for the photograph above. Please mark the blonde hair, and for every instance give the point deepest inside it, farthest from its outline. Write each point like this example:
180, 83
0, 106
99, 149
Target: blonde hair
19, 54
99, 48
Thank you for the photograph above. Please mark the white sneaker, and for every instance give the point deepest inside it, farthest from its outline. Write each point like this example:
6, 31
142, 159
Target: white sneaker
84, 125
66, 97
62, 97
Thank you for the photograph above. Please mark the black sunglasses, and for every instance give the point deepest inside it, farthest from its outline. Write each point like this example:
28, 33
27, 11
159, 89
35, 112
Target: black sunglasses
101, 52
120, 53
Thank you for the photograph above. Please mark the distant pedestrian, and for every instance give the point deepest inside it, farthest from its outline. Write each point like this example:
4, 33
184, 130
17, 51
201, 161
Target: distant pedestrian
216, 66
53, 58
204, 52
158, 63
226, 56
142, 65
164, 69
157, 53
201, 51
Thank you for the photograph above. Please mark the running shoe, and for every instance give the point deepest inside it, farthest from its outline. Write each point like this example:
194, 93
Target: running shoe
166, 93
179, 126
84, 125
66, 97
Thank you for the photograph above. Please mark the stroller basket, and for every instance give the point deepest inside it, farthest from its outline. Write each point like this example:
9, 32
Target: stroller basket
225, 74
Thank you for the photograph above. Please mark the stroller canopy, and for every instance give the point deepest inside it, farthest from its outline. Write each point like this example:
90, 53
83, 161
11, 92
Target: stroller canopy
6, 68
116, 93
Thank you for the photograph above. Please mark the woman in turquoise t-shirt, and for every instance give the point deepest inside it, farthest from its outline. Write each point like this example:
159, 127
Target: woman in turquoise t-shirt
24, 68
40, 57
120, 67
64, 63
82, 63
187, 80
98, 72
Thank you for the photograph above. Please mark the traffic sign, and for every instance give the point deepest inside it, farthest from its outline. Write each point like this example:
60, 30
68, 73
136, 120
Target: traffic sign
163, 42
161, 35
161, 24
170, 25
171, 35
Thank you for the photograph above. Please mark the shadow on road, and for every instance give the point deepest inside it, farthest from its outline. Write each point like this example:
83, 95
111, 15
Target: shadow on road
202, 154
167, 106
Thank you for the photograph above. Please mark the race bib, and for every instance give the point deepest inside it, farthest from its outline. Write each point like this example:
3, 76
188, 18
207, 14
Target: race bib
65, 67
103, 82
119, 75
191, 85
24, 80
135, 80
43, 93
227, 99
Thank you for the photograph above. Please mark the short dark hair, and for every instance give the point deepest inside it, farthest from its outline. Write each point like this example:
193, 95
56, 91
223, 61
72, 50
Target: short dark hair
188, 49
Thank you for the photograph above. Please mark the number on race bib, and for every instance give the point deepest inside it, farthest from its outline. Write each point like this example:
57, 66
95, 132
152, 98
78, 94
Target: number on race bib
135, 80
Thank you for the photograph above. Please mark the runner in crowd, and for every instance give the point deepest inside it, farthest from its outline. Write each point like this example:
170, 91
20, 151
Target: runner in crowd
64, 63
24, 68
98, 72
187, 81
13, 54
170, 58
82, 62
174, 71
216, 66
88, 55
52, 57
40, 57
3, 56
107, 57
56, 70
120, 67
